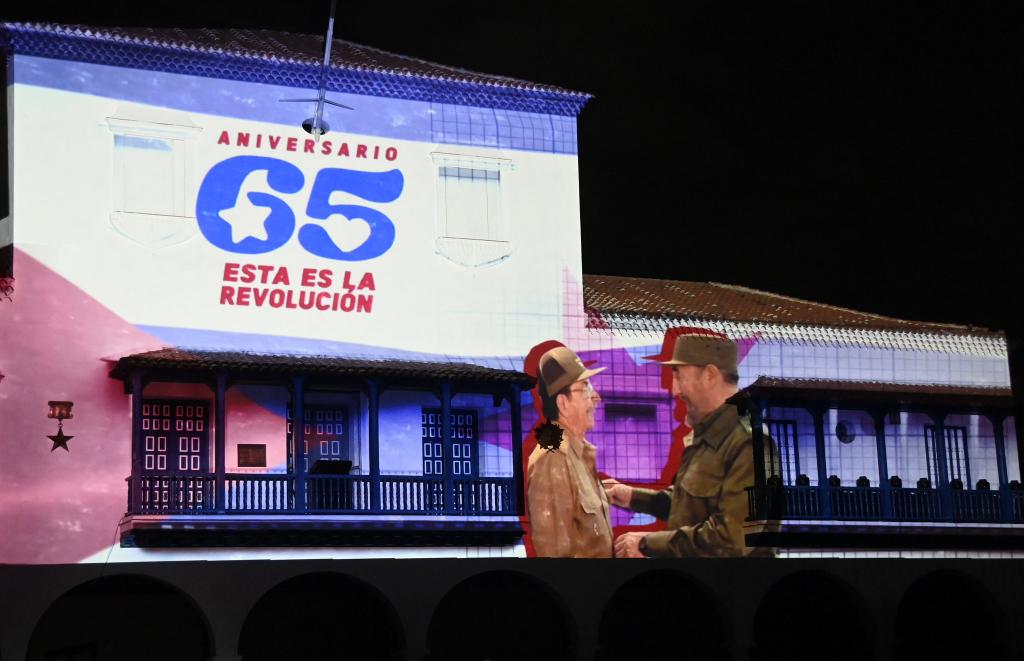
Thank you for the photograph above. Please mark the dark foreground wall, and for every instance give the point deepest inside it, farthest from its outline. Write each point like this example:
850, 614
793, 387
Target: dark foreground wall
515, 609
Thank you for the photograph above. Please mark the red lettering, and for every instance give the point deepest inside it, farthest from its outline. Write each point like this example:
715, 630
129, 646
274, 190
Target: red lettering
243, 295
325, 147
391, 153
224, 139
325, 278
273, 139
360, 151
260, 295
259, 139
367, 282
230, 272
293, 144
243, 139
276, 298
306, 299
227, 295
308, 277
289, 303
376, 152
364, 303
248, 273
281, 277
307, 147
343, 150
320, 305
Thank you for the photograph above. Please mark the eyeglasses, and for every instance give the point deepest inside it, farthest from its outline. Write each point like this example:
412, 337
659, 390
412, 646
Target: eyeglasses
587, 390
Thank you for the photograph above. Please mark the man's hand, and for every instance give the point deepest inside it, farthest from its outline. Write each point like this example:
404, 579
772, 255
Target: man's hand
618, 494
627, 545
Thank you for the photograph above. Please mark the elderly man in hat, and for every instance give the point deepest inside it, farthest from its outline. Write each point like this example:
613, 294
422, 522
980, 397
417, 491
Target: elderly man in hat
707, 503
567, 503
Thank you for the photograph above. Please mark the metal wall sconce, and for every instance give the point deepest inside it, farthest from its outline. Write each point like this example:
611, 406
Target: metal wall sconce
61, 411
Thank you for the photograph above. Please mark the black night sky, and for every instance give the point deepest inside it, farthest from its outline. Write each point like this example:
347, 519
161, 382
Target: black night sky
868, 158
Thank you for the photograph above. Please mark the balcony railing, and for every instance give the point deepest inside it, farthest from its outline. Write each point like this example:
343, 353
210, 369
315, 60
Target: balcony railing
856, 503
774, 502
325, 494
976, 506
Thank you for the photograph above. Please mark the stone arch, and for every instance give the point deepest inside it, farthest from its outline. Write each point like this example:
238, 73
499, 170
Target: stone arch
811, 615
322, 615
501, 616
948, 614
650, 614
123, 616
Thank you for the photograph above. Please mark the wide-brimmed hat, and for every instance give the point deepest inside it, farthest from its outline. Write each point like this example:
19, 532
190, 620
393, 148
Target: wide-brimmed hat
696, 349
561, 367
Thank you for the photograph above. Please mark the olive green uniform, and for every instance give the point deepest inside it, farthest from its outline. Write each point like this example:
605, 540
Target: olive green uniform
707, 503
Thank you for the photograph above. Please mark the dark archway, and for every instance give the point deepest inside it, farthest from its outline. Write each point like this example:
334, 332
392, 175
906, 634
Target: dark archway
124, 617
663, 615
322, 616
810, 616
946, 614
500, 616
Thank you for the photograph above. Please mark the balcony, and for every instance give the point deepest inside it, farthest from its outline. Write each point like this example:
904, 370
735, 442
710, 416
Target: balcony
325, 494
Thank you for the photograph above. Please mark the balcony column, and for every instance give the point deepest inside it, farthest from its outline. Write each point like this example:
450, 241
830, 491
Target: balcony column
373, 428
515, 410
134, 482
885, 489
1005, 502
945, 495
765, 503
757, 439
219, 494
824, 491
446, 446
298, 441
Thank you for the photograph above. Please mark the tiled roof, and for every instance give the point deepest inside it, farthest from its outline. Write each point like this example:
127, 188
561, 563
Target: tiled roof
811, 390
284, 58
610, 296
878, 386
250, 364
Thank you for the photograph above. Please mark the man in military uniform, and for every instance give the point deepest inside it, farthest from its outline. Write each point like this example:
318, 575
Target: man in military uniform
707, 503
567, 504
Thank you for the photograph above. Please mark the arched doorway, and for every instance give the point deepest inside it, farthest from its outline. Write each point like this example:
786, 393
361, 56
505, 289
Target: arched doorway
500, 616
810, 616
123, 617
650, 615
322, 616
946, 614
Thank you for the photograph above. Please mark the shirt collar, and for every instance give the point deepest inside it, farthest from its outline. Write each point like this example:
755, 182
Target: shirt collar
716, 426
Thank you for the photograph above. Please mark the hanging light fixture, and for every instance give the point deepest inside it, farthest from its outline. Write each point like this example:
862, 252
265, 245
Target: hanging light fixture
61, 411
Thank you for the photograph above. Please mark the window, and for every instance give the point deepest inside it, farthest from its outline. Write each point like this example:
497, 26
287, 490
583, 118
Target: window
459, 455
471, 228
154, 200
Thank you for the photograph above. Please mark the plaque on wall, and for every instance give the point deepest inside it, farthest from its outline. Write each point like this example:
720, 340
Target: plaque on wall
252, 455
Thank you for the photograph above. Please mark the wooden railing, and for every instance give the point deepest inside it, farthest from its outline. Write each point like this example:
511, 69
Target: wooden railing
338, 493
259, 493
976, 506
916, 505
172, 494
325, 494
856, 503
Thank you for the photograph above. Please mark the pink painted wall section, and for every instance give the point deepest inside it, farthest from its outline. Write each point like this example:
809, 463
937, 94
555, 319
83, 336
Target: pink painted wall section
57, 506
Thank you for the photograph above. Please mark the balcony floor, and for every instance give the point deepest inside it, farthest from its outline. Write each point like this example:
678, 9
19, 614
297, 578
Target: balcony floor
177, 530
884, 535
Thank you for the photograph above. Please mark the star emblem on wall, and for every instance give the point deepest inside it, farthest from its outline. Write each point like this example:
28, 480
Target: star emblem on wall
60, 440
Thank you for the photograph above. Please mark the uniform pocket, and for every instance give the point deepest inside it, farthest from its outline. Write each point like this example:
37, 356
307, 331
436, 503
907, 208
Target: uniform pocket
590, 503
703, 480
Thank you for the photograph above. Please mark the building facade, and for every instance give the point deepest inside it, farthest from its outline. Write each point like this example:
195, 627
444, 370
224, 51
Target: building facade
260, 341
